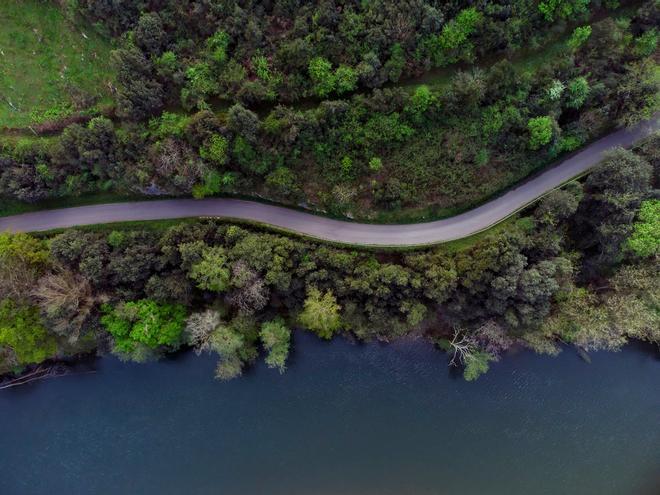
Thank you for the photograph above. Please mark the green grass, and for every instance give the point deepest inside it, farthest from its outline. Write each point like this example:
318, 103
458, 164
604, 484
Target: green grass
48, 69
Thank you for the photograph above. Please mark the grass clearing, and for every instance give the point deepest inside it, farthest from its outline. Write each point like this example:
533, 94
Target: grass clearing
48, 68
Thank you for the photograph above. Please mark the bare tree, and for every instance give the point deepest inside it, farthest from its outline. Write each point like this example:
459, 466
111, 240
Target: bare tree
66, 300
200, 327
463, 347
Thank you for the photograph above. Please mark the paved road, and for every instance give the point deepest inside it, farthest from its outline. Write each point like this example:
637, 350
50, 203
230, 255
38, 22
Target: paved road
319, 227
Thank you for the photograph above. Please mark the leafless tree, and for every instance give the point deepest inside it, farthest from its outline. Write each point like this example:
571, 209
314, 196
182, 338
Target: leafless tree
463, 347
199, 328
66, 300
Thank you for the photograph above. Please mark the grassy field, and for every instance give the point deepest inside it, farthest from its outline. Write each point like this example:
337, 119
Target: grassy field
49, 66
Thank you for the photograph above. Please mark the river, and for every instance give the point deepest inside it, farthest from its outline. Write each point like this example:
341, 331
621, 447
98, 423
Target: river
344, 419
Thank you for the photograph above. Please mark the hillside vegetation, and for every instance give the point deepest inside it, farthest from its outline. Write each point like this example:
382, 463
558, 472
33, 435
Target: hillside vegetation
49, 65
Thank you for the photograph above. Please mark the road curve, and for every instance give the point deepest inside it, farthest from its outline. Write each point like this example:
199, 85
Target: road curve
328, 229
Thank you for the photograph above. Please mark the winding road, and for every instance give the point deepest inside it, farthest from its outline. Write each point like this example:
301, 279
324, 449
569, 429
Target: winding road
328, 229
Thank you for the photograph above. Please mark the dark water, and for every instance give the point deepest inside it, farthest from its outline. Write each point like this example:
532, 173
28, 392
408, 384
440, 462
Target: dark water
345, 419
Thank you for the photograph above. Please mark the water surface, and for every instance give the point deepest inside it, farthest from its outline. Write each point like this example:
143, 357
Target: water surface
345, 419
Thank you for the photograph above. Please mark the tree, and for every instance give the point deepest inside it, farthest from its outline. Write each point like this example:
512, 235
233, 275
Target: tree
211, 272
275, 336
144, 322
228, 343
23, 259
579, 36
420, 101
395, 64
199, 328
613, 193
243, 122
217, 46
321, 313
578, 90
563, 9
320, 71
645, 238
149, 34
22, 330
540, 131
345, 79
66, 300
215, 150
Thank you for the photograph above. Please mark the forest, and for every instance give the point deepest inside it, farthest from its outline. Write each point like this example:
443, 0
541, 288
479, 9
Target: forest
375, 110
312, 111
580, 268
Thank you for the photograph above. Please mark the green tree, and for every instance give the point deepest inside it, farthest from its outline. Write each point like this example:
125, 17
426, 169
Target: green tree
540, 131
144, 322
476, 364
578, 37
320, 71
217, 46
215, 150
420, 101
456, 31
22, 330
22, 259
395, 64
647, 43
321, 313
563, 9
375, 164
645, 238
578, 91
211, 272
346, 79
275, 336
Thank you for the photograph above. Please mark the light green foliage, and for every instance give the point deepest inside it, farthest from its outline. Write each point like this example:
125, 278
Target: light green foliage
346, 79
169, 124
578, 37
540, 131
275, 336
217, 46
375, 164
23, 259
200, 83
563, 9
23, 247
578, 91
22, 330
144, 322
167, 63
492, 121
211, 272
476, 364
261, 68
320, 71
321, 313
645, 239
214, 182
555, 90
46, 63
283, 179
421, 101
215, 150
346, 166
116, 238
647, 43
456, 32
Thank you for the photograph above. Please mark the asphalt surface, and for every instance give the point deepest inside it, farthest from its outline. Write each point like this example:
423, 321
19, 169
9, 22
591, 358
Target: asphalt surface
438, 231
